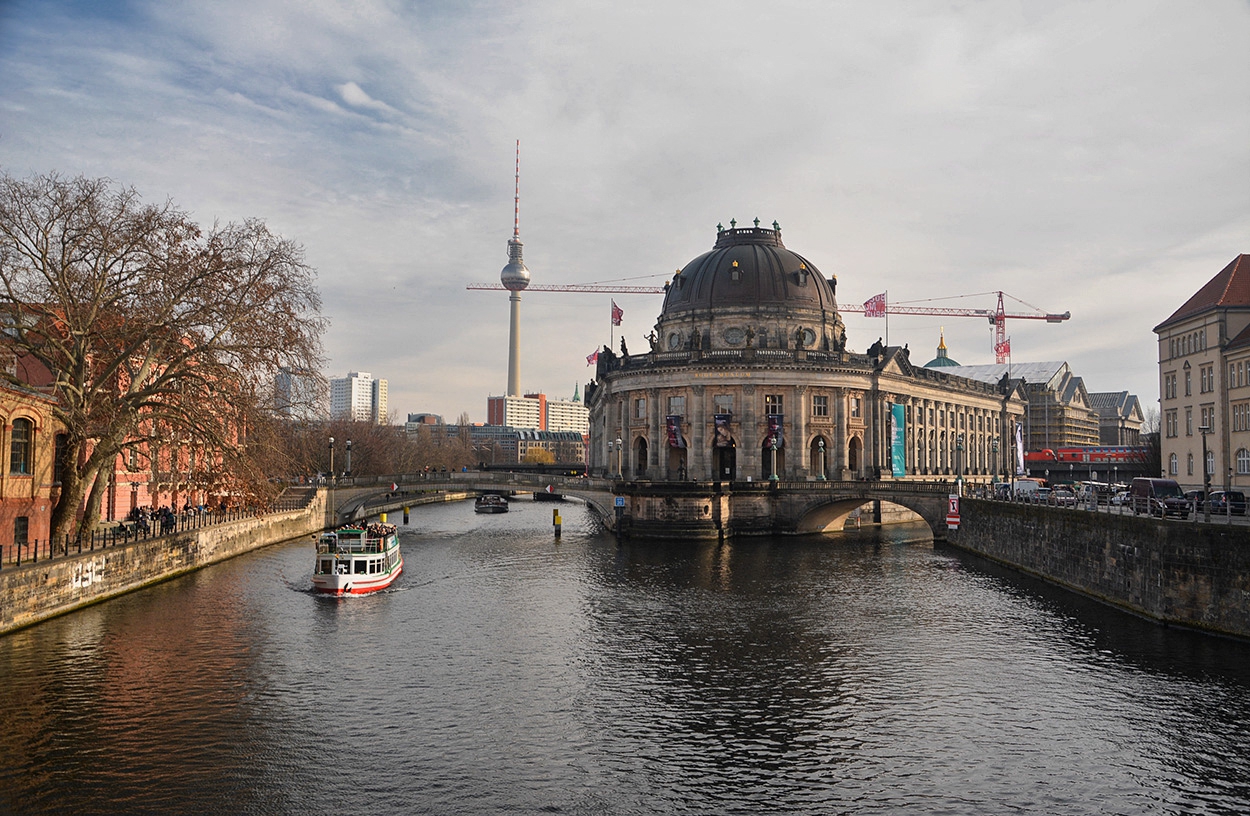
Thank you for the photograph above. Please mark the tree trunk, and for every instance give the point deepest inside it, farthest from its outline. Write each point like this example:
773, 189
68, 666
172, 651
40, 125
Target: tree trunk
99, 488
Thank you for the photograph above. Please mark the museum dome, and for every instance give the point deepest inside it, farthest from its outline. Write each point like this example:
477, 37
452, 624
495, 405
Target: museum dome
749, 285
748, 267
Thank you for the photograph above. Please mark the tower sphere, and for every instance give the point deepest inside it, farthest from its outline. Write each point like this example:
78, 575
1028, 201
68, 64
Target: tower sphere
514, 276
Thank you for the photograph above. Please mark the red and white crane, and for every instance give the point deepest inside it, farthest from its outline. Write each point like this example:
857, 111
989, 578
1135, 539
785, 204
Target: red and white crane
997, 317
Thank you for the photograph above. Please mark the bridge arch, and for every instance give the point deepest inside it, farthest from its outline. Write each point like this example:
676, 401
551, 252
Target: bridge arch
829, 513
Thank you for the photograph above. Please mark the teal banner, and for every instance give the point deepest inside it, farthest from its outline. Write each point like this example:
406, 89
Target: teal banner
898, 445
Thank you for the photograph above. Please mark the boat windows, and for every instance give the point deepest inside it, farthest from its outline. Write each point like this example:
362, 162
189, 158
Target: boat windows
325, 566
361, 566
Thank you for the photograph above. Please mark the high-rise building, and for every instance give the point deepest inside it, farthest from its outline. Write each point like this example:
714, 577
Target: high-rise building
299, 394
359, 397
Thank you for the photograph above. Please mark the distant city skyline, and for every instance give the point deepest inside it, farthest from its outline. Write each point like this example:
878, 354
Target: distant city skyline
1081, 156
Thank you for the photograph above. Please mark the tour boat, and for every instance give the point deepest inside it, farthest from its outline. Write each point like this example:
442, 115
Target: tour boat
357, 559
491, 503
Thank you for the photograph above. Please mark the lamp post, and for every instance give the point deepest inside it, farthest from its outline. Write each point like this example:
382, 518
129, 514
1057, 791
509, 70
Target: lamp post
997, 463
619, 445
607, 468
821, 445
348, 473
331, 460
772, 476
959, 464
1203, 430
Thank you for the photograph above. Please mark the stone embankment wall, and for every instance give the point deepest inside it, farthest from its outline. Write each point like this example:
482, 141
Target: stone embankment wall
34, 592
1176, 572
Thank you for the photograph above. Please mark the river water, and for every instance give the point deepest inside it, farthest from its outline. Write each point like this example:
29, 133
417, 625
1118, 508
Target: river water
506, 673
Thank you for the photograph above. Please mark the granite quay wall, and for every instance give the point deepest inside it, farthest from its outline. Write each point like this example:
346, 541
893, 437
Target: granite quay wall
36, 591
1196, 575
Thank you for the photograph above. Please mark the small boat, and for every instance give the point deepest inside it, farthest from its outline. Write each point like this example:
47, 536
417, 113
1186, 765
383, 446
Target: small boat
548, 495
357, 559
490, 503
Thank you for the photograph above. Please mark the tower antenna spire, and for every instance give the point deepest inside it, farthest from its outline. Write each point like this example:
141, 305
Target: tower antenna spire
516, 195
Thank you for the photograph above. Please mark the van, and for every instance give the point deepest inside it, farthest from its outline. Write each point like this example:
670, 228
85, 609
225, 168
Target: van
1025, 488
1158, 497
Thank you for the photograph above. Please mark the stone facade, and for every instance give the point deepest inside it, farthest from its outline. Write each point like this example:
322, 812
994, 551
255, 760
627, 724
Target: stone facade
1192, 574
35, 592
749, 351
1204, 383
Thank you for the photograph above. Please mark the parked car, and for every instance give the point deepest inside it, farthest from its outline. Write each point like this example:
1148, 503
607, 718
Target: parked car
1120, 498
1194, 497
1158, 497
1042, 495
1228, 502
1062, 497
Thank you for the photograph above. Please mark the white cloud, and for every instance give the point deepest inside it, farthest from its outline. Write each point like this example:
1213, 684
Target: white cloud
1085, 156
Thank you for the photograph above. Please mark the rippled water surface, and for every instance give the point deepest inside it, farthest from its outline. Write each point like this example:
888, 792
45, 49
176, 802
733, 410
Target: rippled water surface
508, 673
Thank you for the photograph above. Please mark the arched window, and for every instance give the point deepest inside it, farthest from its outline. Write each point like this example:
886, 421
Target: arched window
1173, 465
1243, 461
1189, 465
1210, 462
20, 452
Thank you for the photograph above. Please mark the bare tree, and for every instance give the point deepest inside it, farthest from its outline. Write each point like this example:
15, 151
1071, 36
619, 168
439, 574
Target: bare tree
154, 333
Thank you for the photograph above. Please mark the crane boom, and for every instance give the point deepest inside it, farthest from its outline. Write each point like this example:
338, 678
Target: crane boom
576, 287
997, 317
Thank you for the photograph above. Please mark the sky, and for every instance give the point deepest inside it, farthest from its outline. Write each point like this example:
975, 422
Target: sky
1090, 157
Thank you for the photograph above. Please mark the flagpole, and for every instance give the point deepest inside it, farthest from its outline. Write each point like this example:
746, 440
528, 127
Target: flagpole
611, 330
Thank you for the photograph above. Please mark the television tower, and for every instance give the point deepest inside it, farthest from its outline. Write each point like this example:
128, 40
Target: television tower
515, 277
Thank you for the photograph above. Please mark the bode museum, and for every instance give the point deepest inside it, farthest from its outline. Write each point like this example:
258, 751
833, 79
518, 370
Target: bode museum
750, 376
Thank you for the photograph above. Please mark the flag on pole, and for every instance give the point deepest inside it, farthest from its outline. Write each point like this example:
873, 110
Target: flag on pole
875, 306
592, 358
617, 314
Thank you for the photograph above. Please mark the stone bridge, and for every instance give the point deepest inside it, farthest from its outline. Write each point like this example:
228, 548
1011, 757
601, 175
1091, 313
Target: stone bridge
678, 510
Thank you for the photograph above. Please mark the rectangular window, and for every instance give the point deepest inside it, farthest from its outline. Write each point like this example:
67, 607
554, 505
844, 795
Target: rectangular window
820, 406
640, 408
855, 407
1189, 422
19, 451
773, 404
1188, 384
677, 406
21, 530
724, 403
58, 466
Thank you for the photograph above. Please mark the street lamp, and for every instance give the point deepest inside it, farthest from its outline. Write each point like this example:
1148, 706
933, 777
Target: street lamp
772, 477
1203, 430
331, 460
348, 473
959, 464
821, 445
997, 463
619, 445
607, 468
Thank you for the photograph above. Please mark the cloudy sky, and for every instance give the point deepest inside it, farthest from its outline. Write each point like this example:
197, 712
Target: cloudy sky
1090, 156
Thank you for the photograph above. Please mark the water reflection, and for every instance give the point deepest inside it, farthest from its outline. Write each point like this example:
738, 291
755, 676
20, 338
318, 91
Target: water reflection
508, 672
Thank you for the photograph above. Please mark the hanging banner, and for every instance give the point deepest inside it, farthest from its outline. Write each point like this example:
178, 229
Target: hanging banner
775, 435
722, 439
675, 439
1019, 449
898, 445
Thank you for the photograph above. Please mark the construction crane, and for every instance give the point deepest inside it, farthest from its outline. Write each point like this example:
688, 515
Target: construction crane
997, 317
577, 287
